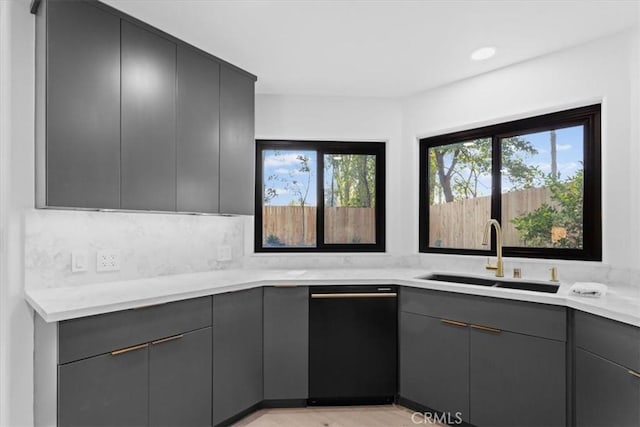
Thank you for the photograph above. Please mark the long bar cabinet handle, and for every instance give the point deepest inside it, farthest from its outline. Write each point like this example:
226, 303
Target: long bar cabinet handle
128, 349
454, 323
357, 295
173, 338
486, 329
634, 373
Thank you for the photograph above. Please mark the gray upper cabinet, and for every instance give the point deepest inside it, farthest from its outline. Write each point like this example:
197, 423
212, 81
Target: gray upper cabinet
129, 117
286, 343
148, 120
198, 132
81, 149
237, 353
237, 142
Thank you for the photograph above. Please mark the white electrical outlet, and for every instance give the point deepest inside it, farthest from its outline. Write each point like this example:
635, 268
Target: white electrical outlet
108, 260
79, 261
224, 253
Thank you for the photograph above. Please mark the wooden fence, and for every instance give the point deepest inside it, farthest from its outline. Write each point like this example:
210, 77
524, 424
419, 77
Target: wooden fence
460, 224
282, 225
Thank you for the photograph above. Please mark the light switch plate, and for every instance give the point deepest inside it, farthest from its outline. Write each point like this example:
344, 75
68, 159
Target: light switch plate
108, 260
79, 261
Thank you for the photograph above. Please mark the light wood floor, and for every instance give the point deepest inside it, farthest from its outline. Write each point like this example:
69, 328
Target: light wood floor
334, 416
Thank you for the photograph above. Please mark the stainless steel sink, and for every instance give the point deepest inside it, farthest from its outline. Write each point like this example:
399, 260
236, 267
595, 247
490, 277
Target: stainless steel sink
493, 283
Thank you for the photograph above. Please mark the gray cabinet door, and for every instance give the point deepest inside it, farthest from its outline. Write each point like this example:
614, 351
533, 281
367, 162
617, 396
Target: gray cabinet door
606, 393
434, 364
286, 343
237, 352
237, 142
180, 380
148, 120
198, 132
516, 380
83, 106
105, 390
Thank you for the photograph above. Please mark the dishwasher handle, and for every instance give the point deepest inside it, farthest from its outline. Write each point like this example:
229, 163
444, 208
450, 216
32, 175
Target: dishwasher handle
356, 295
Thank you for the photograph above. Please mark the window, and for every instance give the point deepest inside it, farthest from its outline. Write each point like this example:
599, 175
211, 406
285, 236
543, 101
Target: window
314, 196
539, 177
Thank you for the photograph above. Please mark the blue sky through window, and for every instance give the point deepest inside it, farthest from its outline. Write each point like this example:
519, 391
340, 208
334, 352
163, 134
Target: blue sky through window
569, 152
282, 172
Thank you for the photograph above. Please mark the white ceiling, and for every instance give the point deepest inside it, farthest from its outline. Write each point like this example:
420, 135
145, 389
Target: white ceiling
377, 48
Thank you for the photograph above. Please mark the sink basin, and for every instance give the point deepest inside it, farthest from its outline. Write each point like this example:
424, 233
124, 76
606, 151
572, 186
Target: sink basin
529, 286
465, 280
493, 283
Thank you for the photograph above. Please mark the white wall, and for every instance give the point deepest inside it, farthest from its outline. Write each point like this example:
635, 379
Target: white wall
342, 119
634, 158
601, 70
17, 192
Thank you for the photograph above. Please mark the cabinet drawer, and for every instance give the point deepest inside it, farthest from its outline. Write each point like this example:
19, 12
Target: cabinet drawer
89, 336
612, 340
541, 320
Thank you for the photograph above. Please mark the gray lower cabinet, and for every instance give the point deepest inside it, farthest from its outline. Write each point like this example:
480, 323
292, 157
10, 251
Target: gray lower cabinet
434, 363
237, 354
180, 380
487, 361
140, 367
106, 390
237, 142
606, 393
148, 120
163, 383
516, 380
286, 343
79, 142
198, 132
607, 372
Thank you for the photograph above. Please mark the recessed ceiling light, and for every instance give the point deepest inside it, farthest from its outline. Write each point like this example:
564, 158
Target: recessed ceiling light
483, 53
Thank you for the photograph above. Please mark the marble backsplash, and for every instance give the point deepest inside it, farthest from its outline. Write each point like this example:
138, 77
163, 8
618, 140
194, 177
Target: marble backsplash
156, 244
150, 244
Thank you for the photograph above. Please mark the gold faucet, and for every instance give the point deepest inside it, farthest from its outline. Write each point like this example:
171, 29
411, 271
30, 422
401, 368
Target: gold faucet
499, 266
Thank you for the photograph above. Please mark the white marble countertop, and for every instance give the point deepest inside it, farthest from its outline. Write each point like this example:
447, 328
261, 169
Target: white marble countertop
62, 303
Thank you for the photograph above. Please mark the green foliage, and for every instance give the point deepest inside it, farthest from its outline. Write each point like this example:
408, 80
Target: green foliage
460, 167
296, 182
353, 178
273, 240
565, 212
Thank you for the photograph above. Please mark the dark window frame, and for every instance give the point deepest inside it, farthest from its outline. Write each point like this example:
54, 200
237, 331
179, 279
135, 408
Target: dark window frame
324, 147
590, 118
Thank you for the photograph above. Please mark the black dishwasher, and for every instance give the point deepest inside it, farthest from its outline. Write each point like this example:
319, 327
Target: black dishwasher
352, 344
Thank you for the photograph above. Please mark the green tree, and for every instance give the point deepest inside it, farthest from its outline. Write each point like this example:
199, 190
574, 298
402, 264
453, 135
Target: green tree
297, 182
352, 180
565, 213
460, 167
